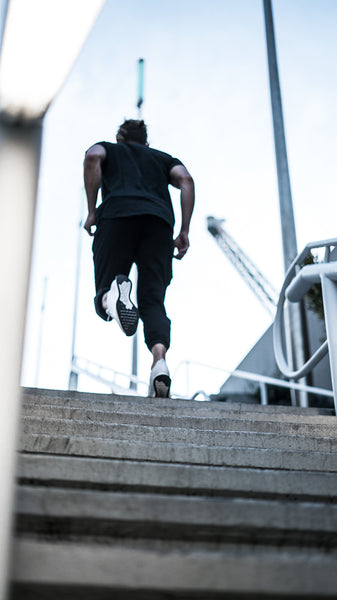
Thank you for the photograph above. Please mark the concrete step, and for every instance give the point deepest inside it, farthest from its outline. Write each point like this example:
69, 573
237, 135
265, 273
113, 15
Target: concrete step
134, 433
70, 471
167, 570
181, 453
179, 408
150, 499
171, 406
65, 513
258, 422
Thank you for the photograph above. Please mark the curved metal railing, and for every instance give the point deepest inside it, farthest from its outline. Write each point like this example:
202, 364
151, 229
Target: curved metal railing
298, 281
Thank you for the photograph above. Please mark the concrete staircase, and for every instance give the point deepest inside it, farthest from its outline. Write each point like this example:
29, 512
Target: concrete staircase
147, 499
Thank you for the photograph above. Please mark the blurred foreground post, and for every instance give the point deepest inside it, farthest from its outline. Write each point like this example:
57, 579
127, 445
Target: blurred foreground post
33, 66
19, 164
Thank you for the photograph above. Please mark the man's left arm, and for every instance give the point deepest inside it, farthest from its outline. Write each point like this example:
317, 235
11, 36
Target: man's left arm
181, 179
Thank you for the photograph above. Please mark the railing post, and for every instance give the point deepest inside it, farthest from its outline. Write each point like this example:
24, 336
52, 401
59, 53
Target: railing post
73, 381
329, 291
263, 394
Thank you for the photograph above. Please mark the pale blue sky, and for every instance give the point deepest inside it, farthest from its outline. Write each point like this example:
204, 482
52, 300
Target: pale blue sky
207, 102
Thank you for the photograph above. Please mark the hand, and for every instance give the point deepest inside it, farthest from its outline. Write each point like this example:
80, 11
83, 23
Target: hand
182, 244
90, 222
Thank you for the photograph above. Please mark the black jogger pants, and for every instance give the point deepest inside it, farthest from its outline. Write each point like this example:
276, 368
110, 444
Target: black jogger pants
147, 241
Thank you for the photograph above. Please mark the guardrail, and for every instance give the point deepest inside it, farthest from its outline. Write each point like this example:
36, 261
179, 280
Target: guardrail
298, 281
112, 379
263, 381
116, 381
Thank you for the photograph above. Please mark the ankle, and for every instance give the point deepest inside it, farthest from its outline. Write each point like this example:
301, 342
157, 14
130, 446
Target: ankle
158, 353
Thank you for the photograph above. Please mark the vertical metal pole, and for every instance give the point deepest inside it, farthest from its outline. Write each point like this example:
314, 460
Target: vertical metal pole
43, 306
134, 363
19, 165
187, 379
329, 291
3, 19
286, 205
140, 86
134, 367
263, 394
73, 377
296, 321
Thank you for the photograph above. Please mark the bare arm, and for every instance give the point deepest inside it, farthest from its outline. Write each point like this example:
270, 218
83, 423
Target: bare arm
181, 179
92, 181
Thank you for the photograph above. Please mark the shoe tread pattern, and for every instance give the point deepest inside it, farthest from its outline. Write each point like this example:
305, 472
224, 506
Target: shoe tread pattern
162, 385
128, 318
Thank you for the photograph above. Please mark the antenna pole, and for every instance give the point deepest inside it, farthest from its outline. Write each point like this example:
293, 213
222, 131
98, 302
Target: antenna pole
134, 365
140, 86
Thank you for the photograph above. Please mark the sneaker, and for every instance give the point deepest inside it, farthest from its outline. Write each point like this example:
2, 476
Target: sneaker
119, 305
160, 380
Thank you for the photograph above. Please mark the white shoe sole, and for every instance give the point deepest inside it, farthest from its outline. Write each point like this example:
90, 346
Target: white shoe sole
120, 305
160, 381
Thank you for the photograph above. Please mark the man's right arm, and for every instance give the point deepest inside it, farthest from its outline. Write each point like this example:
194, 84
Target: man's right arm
92, 181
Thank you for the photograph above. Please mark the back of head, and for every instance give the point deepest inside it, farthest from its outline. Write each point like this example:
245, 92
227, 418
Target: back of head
132, 130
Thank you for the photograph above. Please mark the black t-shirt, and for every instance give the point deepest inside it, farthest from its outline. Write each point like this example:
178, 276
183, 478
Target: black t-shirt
135, 181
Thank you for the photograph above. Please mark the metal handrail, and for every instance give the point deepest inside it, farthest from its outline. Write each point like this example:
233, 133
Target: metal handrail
261, 379
84, 366
298, 281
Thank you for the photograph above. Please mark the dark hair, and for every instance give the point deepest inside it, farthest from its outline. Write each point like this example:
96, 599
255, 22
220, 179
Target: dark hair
132, 130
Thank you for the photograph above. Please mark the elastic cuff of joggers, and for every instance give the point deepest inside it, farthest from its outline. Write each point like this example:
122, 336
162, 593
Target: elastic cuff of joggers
165, 343
98, 304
